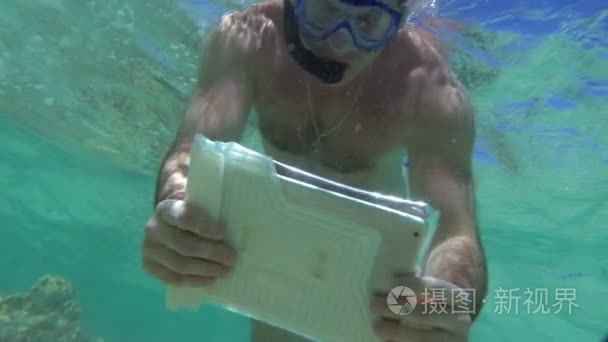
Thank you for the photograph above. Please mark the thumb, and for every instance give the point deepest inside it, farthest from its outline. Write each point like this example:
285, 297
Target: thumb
172, 211
183, 215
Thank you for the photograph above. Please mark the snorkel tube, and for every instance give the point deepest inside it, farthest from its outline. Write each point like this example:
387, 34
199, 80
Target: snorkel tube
328, 71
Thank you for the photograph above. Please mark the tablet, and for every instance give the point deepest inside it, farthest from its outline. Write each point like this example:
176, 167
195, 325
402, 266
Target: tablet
312, 251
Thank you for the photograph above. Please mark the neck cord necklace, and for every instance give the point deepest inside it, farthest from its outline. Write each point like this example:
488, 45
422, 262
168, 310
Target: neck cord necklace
319, 135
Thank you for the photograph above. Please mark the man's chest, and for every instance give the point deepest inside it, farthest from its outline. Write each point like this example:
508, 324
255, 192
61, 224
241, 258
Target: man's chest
346, 130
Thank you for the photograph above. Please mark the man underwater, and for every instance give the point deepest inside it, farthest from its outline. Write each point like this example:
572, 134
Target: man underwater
342, 89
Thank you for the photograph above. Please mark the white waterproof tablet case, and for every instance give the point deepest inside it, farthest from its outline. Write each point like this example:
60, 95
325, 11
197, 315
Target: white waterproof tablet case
310, 256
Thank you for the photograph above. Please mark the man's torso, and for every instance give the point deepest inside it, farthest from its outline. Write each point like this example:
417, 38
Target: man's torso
364, 126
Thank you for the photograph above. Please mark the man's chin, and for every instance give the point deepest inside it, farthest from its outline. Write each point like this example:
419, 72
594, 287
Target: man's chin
347, 61
321, 51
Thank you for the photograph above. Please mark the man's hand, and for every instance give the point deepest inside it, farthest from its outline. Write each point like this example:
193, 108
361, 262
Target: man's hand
184, 247
434, 317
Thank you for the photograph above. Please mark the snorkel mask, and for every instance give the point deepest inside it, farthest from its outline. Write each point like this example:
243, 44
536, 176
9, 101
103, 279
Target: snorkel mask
371, 25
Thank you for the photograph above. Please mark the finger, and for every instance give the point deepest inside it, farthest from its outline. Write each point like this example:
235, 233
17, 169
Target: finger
442, 317
171, 278
186, 216
380, 308
435, 289
424, 315
193, 246
420, 284
181, 265
391, 330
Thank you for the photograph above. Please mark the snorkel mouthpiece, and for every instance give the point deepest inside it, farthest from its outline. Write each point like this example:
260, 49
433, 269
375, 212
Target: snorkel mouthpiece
328, 71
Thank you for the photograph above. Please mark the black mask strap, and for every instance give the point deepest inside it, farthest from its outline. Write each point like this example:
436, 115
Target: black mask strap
326, 70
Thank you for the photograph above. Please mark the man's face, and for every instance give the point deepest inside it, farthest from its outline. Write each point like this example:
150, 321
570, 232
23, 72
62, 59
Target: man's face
344, 44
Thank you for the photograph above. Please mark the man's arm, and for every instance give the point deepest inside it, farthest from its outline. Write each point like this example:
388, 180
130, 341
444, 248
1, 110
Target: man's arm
441, 175
218, 107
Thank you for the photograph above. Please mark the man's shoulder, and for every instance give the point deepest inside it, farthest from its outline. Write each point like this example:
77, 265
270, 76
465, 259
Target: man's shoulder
241, 33
252, 18
442, 102
440, 95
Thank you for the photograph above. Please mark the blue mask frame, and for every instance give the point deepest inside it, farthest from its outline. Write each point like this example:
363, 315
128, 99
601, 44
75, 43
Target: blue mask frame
361, 42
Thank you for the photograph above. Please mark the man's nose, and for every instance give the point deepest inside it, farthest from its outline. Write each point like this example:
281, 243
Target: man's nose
341, 42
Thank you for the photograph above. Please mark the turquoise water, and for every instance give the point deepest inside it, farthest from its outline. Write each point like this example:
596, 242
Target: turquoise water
91, 93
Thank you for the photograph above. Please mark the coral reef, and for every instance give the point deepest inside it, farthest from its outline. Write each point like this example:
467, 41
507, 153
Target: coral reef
48, 312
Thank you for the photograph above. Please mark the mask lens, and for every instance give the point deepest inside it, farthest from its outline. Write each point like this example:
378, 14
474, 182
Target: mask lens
371, 23
322, 14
